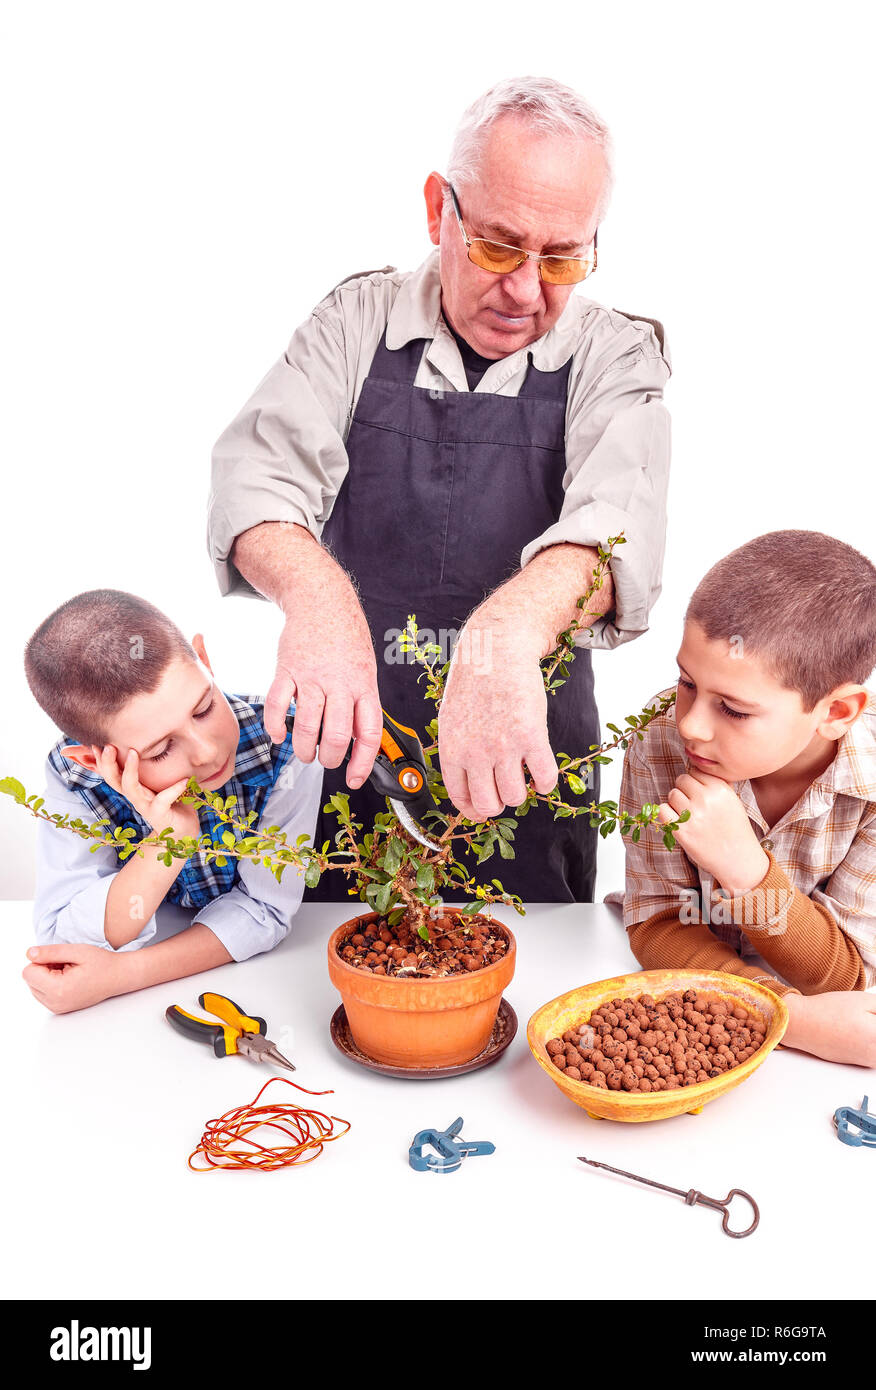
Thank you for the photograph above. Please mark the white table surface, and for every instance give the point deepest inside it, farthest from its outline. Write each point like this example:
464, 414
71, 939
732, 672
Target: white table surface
102, 1107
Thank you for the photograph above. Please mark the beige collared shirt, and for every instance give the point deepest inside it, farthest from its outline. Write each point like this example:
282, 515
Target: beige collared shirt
283, 458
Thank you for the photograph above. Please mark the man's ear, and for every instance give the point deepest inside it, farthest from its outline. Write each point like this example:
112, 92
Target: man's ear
79, 753
198, 644
433, 191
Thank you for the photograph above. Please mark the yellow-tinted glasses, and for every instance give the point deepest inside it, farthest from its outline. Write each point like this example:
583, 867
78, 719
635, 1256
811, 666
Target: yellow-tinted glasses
502, 259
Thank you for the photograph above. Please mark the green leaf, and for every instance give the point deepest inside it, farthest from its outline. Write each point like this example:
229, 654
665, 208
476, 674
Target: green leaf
424, 933
312, 875
12, 787
395, 853
382, 897
228, 839
505, 850
426, 878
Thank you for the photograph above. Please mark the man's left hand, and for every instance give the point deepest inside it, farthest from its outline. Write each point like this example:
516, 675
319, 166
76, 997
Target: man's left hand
65, 978
493, 719
718, 837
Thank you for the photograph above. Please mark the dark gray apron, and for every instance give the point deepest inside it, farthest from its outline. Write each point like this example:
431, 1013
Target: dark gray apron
444, 490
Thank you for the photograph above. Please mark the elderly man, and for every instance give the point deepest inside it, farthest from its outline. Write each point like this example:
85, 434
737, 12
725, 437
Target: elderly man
454, 443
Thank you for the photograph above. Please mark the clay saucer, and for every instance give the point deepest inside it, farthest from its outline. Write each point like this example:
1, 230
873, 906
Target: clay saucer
503, 1033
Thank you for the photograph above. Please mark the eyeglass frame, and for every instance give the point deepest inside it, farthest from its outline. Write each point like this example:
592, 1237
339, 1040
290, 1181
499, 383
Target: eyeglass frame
536, 256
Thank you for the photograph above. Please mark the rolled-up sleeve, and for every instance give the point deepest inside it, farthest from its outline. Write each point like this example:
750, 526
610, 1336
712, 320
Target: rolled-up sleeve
283, 457
617, 456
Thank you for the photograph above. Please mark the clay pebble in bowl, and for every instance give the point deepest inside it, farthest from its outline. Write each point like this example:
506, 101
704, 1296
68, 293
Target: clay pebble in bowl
575, 1008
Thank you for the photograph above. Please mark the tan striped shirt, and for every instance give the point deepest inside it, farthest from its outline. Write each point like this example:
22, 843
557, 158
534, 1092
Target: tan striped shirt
812, 918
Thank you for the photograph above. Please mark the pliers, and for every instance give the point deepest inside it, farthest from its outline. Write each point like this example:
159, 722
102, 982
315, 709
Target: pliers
237, 1033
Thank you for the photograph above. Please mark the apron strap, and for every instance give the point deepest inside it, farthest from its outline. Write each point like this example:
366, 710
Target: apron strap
546, 386
400, 365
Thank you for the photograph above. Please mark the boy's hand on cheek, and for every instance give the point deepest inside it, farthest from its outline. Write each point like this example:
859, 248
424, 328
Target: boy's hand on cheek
160, 809
65, 978
719, 836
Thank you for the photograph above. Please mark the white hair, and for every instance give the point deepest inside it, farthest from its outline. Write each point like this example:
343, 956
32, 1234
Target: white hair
547, 106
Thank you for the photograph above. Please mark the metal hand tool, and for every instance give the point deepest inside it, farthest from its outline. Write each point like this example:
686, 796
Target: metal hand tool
399, 772
692, 1196
237, 1033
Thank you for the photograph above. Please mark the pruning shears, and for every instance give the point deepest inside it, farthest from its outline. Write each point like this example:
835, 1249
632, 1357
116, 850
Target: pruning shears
238, 1033
399, 772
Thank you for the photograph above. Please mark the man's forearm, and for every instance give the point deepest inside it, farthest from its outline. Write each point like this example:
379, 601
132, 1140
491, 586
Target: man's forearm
187, 953
285, 563
541, 600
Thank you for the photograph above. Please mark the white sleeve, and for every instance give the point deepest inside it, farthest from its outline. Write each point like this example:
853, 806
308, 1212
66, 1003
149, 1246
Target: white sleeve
256, 914
72, 883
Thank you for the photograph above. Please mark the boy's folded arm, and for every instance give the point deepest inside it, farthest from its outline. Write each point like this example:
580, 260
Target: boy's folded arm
798, 936
187, 953
664, 942
72, 883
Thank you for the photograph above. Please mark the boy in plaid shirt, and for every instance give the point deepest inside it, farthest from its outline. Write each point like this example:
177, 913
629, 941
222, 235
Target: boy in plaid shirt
142, 714
771, 747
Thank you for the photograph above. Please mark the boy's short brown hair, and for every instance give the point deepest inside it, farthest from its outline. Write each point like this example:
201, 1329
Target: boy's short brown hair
96, 651
803, 602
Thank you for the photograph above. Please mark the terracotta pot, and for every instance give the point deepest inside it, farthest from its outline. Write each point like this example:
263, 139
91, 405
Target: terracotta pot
419, 1023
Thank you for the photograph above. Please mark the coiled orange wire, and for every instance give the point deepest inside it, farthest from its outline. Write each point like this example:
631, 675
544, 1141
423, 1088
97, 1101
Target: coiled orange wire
227, 1142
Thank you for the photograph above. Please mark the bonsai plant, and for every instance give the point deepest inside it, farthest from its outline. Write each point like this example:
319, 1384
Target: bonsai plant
409, 938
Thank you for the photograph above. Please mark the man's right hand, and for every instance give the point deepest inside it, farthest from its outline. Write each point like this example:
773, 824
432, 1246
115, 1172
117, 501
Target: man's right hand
325, 659
327, 665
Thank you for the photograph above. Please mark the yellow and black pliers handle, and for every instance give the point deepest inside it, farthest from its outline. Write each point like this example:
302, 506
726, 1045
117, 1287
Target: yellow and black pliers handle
224, 1037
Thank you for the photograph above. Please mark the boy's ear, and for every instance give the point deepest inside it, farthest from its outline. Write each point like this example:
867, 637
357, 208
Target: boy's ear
198, 644
847, 703
79, 753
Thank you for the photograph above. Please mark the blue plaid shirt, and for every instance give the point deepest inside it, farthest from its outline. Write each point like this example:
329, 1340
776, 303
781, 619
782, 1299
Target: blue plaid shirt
257, 766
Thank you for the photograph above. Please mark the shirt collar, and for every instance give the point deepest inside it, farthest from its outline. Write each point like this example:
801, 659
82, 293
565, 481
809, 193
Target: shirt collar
416, 313
852, 771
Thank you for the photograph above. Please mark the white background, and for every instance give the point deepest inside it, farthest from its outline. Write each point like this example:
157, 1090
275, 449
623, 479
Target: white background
109, 1102
183, 182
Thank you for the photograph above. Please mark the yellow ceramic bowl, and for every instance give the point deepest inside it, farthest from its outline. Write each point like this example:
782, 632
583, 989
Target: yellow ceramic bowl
553, 1019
